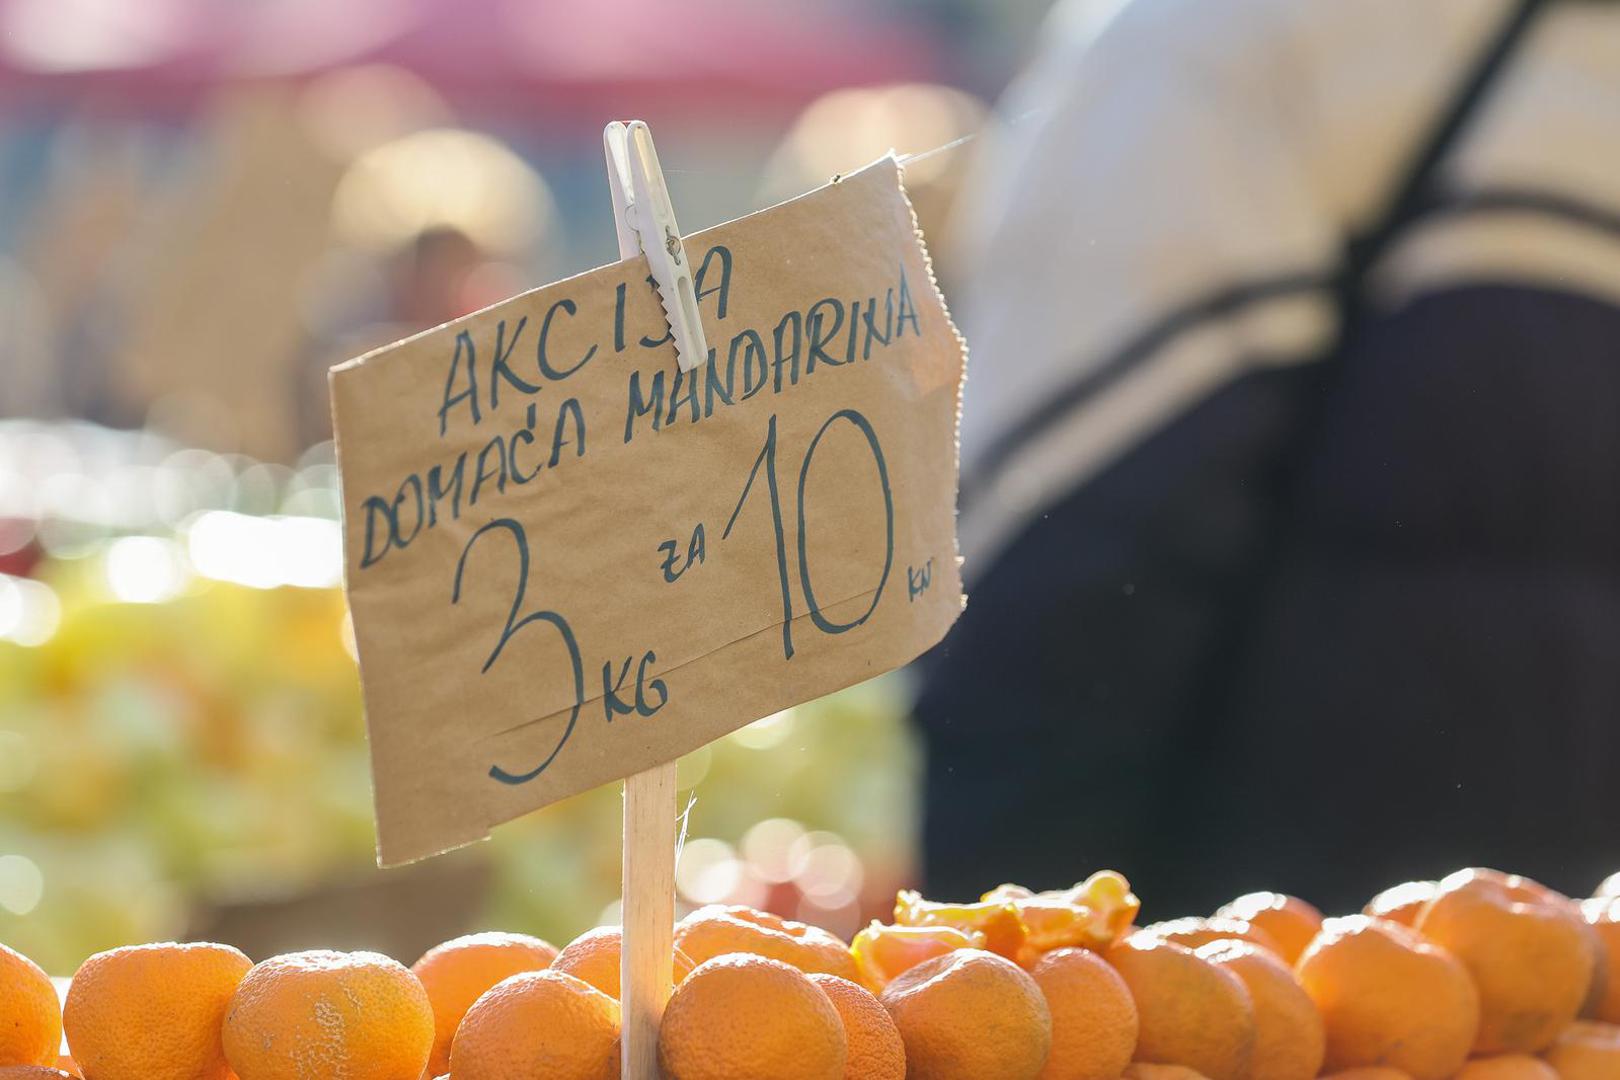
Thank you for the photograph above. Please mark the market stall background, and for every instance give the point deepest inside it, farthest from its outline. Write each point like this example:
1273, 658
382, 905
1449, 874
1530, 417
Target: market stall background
208, 203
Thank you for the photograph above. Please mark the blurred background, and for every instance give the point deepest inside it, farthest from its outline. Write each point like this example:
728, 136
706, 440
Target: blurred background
1290, 447
207, 203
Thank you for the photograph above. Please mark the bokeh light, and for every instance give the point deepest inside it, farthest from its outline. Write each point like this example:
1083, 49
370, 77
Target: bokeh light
29, 611
850, 128
355, 109
766, 734
264, 552
443, 178
769, 848
826, 870
22, 884
708, 872
145, 569
80, 35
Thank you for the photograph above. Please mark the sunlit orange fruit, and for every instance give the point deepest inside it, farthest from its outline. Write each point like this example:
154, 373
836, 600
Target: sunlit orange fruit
456, 973
1290, 921
1402, 903
1191, 1012
1389, 997
1530, 957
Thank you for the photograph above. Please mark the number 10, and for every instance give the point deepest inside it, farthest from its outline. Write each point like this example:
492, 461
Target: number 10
767, 459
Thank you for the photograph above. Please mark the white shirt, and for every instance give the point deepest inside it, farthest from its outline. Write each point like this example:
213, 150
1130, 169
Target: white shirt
1179, 151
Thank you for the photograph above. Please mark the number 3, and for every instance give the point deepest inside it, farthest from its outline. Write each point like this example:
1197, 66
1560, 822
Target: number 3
513, 624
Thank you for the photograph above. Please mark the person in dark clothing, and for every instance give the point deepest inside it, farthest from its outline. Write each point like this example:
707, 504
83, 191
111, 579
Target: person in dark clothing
1291, 501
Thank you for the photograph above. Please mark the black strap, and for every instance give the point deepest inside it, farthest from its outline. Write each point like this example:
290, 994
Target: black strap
1253, 584
1408, 197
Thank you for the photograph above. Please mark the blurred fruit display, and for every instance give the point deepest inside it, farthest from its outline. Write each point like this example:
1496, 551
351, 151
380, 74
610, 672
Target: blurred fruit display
181, 736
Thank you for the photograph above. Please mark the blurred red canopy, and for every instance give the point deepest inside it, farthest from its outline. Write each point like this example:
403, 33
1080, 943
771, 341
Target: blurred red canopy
553, 57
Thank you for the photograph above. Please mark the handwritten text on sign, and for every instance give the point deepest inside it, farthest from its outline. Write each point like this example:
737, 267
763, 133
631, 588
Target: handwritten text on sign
569, 561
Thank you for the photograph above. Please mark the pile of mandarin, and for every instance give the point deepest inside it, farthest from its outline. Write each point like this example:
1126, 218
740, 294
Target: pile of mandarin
1479, 976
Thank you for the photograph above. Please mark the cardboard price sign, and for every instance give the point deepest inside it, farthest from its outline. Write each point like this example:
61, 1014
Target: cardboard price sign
569, 561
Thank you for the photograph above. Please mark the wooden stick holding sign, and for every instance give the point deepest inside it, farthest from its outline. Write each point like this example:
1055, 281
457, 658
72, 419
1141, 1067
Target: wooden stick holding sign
645, 221
647, 947
578, 544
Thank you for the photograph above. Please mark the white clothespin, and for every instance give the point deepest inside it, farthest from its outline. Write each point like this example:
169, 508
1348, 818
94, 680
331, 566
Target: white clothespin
646, 223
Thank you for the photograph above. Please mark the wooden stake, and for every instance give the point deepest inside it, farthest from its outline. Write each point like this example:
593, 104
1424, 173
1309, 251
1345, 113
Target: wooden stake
646, 958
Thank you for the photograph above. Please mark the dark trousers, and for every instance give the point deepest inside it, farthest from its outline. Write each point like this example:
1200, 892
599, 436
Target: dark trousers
1316, 635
